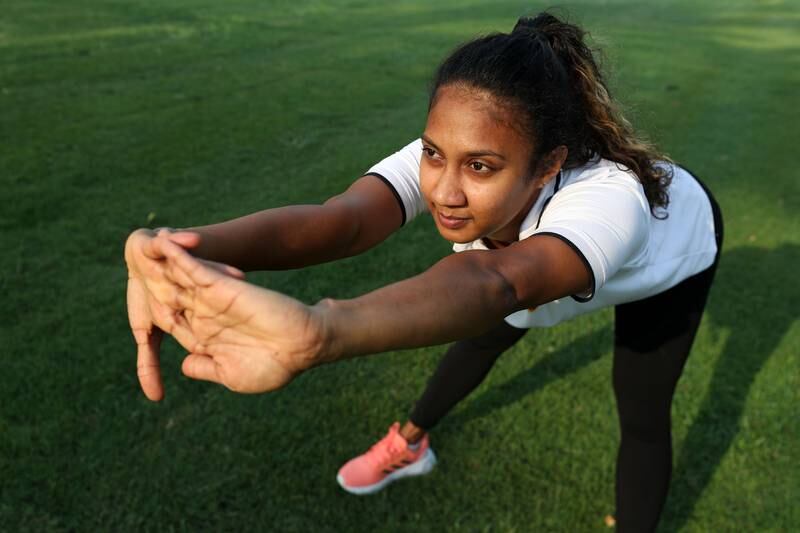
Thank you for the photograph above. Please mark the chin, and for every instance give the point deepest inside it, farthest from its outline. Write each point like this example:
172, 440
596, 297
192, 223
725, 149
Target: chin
461, 236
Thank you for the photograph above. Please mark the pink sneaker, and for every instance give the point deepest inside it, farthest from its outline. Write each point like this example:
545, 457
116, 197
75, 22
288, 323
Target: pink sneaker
389, 459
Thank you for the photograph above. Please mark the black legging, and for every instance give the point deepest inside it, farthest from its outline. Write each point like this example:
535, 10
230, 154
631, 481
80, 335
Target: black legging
652, 340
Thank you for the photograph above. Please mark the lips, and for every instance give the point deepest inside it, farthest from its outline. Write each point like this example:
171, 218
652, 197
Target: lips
451, 222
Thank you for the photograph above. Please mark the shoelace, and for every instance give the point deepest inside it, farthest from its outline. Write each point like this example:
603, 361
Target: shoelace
381, 454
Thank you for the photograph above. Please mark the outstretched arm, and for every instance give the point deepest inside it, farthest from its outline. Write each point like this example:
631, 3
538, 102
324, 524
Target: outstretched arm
289, 237
254, 340
461, 296
302, 235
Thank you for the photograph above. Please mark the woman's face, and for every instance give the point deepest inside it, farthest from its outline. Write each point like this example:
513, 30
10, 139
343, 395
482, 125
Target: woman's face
475, 168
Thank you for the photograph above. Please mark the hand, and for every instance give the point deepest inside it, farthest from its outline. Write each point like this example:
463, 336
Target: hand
147, 289
242, 336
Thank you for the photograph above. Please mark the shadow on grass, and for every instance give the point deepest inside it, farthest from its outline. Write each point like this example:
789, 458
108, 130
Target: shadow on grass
751, 302
757, 308
571, 358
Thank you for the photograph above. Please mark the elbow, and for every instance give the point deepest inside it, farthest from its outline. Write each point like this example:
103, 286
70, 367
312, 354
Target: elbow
499, 290
343, 228
508, 294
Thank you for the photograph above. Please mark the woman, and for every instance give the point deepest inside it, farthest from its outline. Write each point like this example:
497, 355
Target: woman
555, 208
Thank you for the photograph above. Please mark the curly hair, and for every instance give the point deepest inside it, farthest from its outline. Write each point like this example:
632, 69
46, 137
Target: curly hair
545, 72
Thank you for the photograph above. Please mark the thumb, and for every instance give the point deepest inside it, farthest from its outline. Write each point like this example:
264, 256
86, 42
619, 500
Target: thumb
201, 367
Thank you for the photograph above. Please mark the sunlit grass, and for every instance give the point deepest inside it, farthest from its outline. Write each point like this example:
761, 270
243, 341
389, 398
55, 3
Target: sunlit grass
114, 115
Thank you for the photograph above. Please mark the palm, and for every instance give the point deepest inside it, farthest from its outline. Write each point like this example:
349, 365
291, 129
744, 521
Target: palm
242, 336
151, 297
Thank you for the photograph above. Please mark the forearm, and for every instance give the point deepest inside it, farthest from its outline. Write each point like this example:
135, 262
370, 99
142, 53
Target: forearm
276, 239
459, 297
301, 235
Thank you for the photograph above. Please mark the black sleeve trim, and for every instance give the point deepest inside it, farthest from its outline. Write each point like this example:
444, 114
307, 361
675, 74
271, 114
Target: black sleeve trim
577, 298
394, 191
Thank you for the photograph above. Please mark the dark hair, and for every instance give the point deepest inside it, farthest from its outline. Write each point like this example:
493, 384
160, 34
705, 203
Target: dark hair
544, 71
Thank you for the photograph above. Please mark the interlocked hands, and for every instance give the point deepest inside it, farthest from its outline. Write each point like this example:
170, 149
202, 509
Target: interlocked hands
239, 335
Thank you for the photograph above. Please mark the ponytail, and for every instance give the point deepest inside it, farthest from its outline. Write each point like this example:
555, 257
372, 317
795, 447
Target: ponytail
545, 70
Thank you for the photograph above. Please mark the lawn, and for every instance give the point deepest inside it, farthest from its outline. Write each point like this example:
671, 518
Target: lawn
121, 114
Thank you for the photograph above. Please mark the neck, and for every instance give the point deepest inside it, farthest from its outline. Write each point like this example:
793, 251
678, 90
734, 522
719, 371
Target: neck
494, 244
510, 234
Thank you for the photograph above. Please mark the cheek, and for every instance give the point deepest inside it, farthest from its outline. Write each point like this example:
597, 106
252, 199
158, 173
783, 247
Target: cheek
492, 200
425, 183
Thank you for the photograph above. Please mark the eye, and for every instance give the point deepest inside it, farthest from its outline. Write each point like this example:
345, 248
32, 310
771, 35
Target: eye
477, 166
429, 152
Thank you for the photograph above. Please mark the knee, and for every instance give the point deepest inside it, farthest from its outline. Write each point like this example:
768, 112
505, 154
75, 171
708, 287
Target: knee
644, 409
646, 432
645, 423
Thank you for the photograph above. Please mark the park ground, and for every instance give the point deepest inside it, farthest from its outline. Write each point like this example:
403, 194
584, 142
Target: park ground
120, 114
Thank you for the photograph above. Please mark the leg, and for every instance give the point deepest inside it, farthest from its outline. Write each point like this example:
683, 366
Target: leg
463, 368
405, 452
652, 340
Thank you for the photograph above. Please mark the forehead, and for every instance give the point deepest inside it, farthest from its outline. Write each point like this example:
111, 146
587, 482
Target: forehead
472, 118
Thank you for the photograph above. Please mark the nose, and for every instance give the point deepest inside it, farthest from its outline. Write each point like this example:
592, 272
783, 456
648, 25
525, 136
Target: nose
448, 191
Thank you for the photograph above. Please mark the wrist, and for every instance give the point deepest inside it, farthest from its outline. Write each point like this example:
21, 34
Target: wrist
206, 247
330, 345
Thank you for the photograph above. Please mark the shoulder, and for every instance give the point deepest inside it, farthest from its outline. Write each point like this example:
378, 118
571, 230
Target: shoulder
599, 174
602, 211
400, 171
601, 188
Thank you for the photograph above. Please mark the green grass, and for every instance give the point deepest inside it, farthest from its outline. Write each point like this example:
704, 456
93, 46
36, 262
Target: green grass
114, 115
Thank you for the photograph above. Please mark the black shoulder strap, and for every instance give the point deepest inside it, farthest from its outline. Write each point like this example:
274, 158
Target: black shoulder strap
555, 190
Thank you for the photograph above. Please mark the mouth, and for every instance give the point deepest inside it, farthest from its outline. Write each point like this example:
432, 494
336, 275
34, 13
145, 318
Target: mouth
451, 222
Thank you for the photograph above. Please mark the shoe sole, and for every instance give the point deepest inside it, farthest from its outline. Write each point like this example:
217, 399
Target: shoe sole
421, 467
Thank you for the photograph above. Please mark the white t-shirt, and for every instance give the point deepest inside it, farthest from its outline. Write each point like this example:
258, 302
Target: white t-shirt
600, 209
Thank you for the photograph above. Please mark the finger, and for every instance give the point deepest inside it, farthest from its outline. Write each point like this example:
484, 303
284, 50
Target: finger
162, 314
178, 276
201, 367
179, 259
140, 256
175, 324
150, 248
187, 239
182, 296
150, 269
190, 239
148, 368
163, 230
185, 336
180, 280
162, 290
148, 340
228, 270
185, 300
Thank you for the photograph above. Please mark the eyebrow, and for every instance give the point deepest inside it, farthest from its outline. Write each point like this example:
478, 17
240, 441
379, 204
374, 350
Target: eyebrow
477, 153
